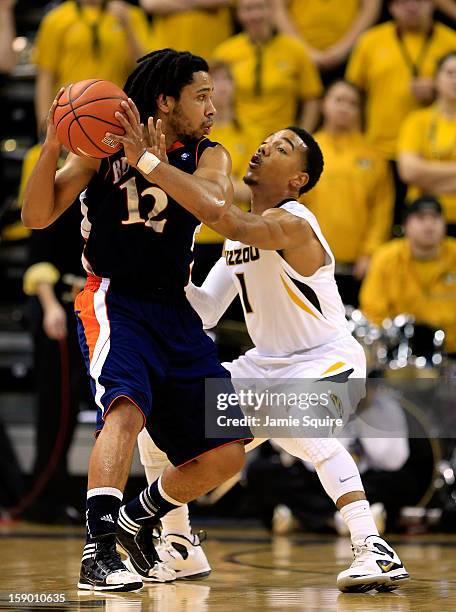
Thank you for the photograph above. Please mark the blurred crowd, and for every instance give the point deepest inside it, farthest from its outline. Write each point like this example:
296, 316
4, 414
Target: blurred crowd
375, 81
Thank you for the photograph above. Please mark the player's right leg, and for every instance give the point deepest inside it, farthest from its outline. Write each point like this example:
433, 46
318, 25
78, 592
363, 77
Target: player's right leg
376, 565
108, 332
101, 566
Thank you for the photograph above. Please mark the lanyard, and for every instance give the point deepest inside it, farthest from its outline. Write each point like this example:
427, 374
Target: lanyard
258, 70
414, 67
442, 154
94, 26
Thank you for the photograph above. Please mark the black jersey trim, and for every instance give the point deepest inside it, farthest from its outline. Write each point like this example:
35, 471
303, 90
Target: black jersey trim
307, 291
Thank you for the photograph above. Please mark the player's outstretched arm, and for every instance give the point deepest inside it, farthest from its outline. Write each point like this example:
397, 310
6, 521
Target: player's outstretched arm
207, 193
47, 193
212, 299
274, 230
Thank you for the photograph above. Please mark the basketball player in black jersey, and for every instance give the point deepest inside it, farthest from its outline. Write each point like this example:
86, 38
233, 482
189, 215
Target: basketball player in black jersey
144, 346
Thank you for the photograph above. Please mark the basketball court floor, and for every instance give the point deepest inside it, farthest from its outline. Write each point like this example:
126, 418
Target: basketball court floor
251, 572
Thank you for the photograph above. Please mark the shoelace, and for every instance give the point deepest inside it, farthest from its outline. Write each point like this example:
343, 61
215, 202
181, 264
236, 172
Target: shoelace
110, 558
359, 552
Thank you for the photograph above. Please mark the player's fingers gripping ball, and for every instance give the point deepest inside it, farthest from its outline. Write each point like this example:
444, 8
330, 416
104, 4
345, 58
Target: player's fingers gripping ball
84, 113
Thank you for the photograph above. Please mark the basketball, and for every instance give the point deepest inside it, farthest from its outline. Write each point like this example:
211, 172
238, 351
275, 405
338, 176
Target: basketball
85, 112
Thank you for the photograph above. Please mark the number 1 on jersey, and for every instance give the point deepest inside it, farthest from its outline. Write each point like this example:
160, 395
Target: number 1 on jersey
245, 298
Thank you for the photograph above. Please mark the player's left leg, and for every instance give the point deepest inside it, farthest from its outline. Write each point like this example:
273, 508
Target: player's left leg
376, 565
179, 547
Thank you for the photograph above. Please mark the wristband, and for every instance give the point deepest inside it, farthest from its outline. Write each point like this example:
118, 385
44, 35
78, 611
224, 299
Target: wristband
147, 162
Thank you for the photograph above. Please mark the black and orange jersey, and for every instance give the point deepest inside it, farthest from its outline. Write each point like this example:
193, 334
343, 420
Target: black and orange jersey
136, 234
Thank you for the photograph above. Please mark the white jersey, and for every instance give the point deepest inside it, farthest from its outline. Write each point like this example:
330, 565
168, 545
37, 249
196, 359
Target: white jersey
285, 312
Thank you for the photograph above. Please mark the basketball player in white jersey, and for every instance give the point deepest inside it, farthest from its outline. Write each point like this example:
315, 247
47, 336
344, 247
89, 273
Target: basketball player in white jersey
279, 262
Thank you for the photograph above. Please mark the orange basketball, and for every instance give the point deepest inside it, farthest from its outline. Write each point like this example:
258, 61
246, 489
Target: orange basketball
85, 112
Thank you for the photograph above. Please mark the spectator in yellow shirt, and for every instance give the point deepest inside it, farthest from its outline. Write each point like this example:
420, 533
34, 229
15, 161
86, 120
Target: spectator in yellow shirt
273, 73
228, 132
197, 26
328, 32
416, 275
353, 200
394, 64
427, 144
85, 39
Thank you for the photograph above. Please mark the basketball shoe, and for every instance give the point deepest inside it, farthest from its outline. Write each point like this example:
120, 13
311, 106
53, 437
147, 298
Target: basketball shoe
142, 557
375, 566
184, 555
103, 570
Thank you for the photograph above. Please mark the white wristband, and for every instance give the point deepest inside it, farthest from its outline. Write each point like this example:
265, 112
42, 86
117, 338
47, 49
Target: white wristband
147, 162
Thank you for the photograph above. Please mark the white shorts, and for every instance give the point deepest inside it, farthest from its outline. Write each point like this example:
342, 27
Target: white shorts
335, 372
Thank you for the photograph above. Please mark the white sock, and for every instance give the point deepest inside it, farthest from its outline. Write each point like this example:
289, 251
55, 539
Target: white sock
359, 520
177, 521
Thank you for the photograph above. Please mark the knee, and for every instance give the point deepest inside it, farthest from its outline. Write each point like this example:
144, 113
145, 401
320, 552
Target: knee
125, 417
227, 460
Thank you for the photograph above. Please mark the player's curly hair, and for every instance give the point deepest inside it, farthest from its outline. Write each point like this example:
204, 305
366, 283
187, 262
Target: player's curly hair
314, 159
166, 72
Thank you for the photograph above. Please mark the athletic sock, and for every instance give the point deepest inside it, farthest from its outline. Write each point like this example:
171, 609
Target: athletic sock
151, 504
177, 521
102, 511
359, 520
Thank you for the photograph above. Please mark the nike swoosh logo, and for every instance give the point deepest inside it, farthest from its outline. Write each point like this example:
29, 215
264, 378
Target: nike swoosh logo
345, 479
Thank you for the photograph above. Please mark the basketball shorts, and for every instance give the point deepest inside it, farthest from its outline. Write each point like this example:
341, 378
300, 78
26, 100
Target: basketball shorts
156, 354
318, 390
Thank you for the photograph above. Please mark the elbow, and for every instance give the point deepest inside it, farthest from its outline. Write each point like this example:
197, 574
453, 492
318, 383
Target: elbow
216, 210
33, 222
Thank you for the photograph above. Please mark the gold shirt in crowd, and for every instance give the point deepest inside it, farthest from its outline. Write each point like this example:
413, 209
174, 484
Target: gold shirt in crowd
65, 44
432, 136
323, 23
270, 81
353, 200
396, 283
381, 65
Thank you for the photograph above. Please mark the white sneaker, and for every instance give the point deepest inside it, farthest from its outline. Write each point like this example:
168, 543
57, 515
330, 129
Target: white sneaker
185, 556
375, 566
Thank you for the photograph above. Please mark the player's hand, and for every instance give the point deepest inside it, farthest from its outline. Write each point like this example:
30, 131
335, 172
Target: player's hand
51, 132
135, 140
55, 322
157, 139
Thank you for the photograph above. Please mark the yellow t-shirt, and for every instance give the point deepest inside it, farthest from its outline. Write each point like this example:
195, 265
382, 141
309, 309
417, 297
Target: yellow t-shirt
270, 81
432, 136
322, 22
64, 44
198, 31
235, 140
396, 283
353, 200
378, 66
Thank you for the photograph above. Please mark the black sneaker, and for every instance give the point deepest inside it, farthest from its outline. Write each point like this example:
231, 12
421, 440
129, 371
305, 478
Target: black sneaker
137, 543
103, 570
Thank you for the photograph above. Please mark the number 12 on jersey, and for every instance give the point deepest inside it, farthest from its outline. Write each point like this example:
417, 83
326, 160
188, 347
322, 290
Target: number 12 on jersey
160, 202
